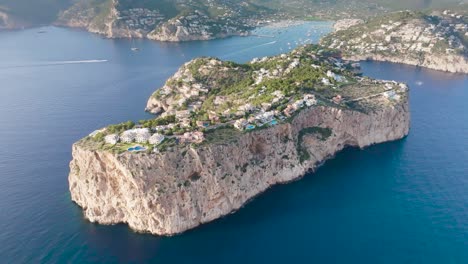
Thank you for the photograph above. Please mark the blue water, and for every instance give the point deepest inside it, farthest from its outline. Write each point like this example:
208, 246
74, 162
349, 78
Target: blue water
399, 202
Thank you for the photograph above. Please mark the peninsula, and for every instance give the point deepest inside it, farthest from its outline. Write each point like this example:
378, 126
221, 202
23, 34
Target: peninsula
226, 132
436, 40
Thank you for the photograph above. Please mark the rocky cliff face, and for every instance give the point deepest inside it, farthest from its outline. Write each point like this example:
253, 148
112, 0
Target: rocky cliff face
172, 192
448, 63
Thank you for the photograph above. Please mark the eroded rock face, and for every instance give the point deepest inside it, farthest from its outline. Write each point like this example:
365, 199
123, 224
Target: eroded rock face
177, 190
449, 63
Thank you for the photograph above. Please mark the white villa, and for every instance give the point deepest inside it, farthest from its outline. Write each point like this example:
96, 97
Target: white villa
240, 124
310, 100
112, 139
128, 136
156, 139
142, 135
139, 135
193, 137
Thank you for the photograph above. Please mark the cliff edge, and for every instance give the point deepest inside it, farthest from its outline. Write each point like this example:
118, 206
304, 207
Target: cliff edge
186, 175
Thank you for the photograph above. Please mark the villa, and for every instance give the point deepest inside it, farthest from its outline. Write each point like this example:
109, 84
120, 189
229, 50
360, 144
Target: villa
128, 136
240, 124
203, 124
290, 110
112, 139
337, 99
182, 114
192, 137
140, 135
310, 100
156, 139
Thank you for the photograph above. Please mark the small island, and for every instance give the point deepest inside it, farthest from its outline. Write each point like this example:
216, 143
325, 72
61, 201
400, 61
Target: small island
225, 132
436, 40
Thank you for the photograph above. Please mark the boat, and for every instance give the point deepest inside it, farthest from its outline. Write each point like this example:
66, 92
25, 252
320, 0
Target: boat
135, 49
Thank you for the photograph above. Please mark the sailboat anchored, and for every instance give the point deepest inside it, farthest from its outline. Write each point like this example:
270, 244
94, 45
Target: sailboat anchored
133, 47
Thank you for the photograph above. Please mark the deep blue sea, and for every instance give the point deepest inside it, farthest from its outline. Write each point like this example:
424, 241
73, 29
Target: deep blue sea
399, 202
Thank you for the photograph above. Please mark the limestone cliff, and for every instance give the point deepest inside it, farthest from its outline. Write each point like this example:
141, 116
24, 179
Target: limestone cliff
179, 190
231, 132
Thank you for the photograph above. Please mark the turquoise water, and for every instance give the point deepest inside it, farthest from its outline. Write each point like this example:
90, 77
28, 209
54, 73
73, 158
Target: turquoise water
399, 202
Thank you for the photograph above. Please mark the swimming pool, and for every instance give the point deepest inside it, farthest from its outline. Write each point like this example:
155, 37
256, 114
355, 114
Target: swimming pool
136, 148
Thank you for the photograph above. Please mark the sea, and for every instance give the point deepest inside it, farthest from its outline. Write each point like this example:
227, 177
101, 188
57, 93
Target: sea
398, 202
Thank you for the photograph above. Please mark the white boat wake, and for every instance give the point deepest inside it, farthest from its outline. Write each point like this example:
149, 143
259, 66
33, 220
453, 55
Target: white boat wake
53, 63
249, 48
76, 62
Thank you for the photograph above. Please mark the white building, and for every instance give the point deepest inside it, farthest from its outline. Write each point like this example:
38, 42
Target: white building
240, 124
156, 139
112, 139
310, 100
128, 136
142, 135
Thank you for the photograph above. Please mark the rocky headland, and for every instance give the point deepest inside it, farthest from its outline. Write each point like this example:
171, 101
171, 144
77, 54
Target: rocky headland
225, 133
436, 40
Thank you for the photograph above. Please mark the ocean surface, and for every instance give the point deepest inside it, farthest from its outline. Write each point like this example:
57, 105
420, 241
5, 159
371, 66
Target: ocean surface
398, 202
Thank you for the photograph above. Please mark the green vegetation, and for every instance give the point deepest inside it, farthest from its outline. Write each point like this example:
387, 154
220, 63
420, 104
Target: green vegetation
161, 121
321, 133
113, 129
223, 135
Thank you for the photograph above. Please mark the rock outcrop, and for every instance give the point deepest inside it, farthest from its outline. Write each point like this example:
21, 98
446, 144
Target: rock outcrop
169, 193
